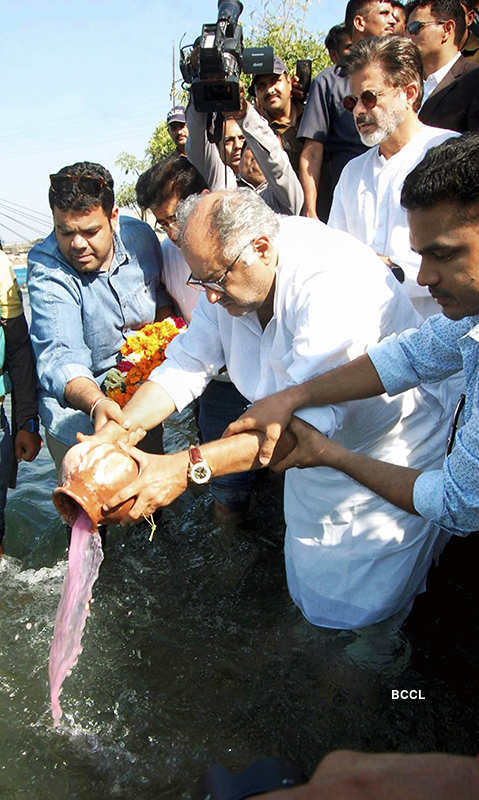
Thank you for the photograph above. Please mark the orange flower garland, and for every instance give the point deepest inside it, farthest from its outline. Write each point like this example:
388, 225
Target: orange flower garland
141, 353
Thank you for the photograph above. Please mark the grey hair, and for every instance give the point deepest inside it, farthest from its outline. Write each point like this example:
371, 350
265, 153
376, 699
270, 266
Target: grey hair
236, 218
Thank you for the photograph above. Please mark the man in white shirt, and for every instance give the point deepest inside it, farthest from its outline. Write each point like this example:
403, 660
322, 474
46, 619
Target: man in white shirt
286, 298
386, 90
161, 188
330, 138
451, 99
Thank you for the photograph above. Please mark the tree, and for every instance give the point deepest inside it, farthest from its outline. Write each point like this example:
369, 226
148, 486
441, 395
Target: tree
160, 144
282, 26
126, 194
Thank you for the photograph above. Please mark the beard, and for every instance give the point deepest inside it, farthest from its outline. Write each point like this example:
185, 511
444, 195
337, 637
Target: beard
385, 121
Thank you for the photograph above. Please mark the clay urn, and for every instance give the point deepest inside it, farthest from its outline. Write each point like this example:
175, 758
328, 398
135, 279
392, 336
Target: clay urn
90, 475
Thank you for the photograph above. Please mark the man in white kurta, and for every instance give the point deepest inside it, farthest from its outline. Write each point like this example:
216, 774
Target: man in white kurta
351, 558
367, 198
367, 204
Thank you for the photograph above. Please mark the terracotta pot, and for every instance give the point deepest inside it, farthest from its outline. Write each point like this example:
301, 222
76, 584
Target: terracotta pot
91, 474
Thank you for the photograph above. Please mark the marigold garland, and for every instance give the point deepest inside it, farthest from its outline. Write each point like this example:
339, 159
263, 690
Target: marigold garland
141, 353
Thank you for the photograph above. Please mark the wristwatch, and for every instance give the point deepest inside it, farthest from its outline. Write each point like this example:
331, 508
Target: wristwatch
31, 425
198, 469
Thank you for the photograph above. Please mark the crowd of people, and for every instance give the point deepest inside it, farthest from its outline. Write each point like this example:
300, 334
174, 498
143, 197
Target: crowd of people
334, 239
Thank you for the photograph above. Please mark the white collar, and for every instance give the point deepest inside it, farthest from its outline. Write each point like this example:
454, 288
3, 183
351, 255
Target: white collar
435, 78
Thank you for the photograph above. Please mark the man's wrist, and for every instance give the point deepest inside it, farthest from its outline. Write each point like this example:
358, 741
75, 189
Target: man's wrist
297, 397
30, 425
94, 405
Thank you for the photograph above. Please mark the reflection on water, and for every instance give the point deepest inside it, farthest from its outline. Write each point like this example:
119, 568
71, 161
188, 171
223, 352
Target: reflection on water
194, 654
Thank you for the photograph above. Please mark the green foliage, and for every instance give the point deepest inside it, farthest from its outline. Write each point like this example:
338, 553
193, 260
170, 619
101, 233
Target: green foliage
160, 144
281, 25
125, 196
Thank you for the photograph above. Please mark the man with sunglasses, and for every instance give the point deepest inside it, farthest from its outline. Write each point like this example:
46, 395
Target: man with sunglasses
451, 99
329, 136
385, 78
95, 279
285, 298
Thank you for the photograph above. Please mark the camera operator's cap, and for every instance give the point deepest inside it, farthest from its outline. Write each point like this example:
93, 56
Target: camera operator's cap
176, 114
278, 68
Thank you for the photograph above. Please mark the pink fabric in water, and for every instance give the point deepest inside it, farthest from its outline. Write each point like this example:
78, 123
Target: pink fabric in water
84, 560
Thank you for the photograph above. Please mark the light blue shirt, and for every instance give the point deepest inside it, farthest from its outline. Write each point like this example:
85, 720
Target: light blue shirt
81, 320
441, 347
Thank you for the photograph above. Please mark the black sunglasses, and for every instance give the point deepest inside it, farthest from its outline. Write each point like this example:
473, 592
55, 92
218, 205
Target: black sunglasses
368, 99
87, 184
414, 27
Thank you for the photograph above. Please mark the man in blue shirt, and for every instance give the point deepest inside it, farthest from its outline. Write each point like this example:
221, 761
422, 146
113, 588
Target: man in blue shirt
94, 280
441, 196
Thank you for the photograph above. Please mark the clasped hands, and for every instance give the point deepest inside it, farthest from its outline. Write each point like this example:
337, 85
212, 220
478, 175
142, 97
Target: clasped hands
162, 478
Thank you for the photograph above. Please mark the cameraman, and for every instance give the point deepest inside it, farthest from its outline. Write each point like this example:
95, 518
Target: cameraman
278, 185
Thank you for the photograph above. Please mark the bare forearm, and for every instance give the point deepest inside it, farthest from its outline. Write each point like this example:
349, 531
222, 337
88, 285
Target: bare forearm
163, 478
239, 453
310, 163
353, 381
149, 406
81, 393
390, 481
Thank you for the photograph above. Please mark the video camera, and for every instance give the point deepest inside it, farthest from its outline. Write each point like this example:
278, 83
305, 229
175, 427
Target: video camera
212, 66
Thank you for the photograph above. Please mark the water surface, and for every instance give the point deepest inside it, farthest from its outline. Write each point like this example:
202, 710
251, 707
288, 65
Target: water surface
194, 654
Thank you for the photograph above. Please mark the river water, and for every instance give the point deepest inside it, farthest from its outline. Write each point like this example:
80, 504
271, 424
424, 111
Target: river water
194, 655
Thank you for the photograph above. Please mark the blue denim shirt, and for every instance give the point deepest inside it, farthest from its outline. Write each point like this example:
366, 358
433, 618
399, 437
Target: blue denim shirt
441, 347
81, 320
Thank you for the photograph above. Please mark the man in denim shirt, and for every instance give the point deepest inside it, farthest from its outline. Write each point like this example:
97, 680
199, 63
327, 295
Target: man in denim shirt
92, 282
441, 196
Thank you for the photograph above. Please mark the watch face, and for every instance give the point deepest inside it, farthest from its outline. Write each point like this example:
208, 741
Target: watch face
200, 473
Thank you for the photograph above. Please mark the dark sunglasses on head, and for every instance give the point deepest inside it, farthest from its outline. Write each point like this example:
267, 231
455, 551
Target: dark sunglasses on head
87, 184
414, 27
368, 99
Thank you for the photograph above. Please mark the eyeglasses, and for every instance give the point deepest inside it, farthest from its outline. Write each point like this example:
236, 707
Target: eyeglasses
167, 224
217, 285
414, 27
368, 99
87, 184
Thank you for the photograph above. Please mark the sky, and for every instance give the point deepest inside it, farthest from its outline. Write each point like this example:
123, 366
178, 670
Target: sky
87, 81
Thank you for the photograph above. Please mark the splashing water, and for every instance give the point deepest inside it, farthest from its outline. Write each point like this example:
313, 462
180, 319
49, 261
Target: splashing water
84, 559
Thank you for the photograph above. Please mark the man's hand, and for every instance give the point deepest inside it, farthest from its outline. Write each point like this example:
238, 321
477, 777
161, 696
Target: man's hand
296, 90
312, 448
107, 410
270, 416
27, 445
112, 433
347, 775
160, 481
243, 107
